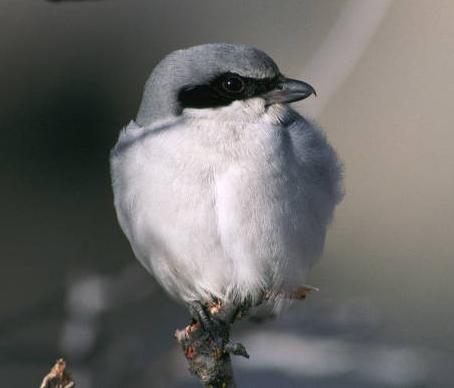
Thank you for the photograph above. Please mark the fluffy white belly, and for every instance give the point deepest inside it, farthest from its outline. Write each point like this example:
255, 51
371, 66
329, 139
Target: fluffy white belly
229, 221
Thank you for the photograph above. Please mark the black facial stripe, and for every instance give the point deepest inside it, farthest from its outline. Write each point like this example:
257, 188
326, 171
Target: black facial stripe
201, 97
212, 94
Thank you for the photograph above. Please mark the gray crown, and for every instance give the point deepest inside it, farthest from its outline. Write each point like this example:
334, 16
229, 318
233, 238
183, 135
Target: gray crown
194, 66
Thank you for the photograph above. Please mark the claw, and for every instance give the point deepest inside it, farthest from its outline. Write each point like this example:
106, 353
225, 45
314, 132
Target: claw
199, 314
208, 322
214, 307
236, 348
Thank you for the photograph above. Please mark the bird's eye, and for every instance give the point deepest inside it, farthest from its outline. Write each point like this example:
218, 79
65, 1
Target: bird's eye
233, 85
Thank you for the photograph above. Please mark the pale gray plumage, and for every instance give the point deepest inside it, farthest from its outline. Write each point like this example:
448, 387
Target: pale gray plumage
193, 66
227, 202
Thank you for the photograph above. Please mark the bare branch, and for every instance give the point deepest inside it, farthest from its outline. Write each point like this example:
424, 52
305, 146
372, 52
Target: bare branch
208, 351
58, 377
208, 360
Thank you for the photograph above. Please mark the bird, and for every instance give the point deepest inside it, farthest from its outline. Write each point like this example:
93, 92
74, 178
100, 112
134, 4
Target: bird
223, 190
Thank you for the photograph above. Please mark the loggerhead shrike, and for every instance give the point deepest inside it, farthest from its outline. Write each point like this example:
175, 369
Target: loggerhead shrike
223, 190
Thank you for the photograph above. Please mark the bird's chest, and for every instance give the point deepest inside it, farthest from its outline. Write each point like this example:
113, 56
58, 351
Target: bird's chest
205, 177
246, 184
246, 163
235, 197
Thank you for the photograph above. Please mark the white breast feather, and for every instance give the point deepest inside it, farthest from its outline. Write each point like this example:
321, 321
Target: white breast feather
226, 205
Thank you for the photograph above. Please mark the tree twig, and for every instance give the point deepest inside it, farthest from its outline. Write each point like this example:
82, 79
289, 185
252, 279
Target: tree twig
209, 361
58, 377
208, 353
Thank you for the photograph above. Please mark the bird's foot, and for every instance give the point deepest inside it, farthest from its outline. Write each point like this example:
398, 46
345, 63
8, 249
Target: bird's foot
236, 348
201, 315
214, 319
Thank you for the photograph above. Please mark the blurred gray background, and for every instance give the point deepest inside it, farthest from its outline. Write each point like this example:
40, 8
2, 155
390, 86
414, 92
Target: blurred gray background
71, 75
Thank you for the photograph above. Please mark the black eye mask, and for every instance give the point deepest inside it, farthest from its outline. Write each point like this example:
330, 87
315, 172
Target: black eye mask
223, 90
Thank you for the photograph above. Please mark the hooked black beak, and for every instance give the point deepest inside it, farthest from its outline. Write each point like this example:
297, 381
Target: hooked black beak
289, 90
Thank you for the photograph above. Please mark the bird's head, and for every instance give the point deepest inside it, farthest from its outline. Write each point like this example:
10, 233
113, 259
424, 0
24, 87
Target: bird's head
212, 76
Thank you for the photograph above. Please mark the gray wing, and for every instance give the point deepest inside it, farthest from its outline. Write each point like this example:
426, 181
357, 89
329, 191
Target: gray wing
317, 160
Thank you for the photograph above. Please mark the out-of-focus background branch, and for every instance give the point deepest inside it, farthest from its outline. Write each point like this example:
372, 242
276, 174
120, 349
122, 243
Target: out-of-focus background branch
72, 75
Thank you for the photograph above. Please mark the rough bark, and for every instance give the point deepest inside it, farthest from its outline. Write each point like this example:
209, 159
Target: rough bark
208, 353
58, 377
207, 358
